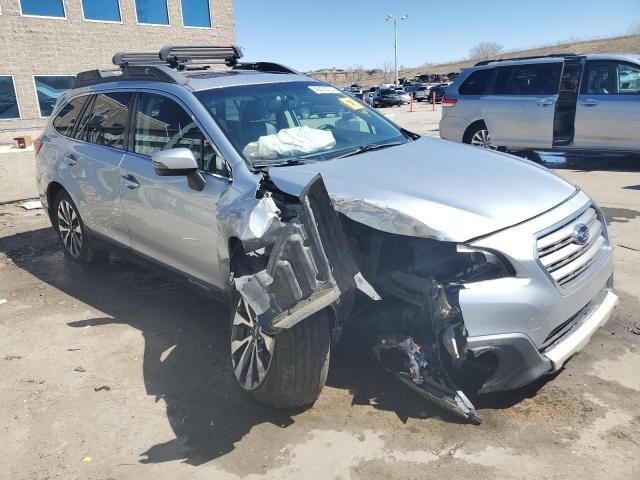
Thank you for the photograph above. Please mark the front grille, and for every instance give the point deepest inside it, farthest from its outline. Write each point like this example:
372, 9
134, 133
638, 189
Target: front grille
563, 258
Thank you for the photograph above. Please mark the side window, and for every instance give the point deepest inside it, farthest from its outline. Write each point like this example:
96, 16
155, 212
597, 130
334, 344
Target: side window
162, 124
477, 82
532, 79
106, 123
611, 78
66, 119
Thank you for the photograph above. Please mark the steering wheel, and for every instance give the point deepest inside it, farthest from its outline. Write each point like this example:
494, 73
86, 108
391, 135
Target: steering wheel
326, 126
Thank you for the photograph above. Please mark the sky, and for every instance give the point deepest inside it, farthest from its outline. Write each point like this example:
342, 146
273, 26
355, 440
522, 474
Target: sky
307, 34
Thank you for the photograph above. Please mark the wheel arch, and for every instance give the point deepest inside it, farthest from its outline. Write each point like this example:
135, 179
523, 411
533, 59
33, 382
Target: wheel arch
466, 138
52, 190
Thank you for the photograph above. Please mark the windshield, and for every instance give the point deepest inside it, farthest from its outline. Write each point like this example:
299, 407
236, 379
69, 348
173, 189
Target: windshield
281, 122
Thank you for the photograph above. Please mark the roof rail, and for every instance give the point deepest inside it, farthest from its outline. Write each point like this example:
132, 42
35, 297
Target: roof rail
158, 73
267, 67
533, 57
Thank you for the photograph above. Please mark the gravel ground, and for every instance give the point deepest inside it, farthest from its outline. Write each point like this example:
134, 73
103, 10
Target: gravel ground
110, 371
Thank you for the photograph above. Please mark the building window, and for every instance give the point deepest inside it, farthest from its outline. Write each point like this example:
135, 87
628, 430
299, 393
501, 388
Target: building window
101, 10
8, 100
43, 8
195, 13
49, 88
152, 12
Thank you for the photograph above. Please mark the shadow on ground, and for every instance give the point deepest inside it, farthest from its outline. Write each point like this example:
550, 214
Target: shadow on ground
185, 354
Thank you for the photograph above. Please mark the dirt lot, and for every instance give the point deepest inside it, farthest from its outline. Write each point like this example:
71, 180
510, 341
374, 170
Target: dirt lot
110, 371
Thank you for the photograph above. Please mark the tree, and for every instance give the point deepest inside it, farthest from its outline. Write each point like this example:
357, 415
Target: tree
485, 50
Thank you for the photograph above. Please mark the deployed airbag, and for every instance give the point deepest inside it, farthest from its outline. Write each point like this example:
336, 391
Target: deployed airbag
289, 142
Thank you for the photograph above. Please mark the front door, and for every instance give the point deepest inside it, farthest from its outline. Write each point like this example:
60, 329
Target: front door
168, 221
519, 112
608, 110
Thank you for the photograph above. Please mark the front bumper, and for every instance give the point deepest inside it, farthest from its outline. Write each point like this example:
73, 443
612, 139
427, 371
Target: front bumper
520, 362
531, 324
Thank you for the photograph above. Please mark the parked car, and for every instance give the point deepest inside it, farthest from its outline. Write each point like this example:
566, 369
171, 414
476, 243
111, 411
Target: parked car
426, 93
308, 108
356, 90
583, 102
387, 97
428, 249
404, 95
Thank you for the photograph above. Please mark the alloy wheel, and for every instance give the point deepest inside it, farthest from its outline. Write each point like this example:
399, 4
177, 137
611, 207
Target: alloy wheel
69, 228
251, 348
482, 139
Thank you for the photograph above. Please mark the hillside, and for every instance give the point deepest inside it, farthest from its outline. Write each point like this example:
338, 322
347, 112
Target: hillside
624, 44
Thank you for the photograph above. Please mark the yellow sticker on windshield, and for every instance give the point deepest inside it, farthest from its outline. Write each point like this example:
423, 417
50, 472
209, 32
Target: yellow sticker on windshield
352, 103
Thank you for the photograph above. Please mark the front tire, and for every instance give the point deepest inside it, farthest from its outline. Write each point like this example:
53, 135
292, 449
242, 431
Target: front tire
287, 370
71, 230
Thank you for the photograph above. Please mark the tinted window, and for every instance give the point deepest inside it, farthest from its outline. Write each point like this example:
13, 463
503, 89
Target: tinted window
105, 125
611, 78
102, 10
49, 88
8, 100
195, 13
44, 8
570, 78
532, 79
477, 82
152, 11
162, 124
68, 116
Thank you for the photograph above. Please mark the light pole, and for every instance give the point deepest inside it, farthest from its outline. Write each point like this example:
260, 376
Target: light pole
394, 19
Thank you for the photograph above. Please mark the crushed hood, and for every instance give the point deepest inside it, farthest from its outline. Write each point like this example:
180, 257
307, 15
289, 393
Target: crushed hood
433, 188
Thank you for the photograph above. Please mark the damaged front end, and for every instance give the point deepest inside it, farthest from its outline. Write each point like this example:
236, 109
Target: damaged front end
301, 256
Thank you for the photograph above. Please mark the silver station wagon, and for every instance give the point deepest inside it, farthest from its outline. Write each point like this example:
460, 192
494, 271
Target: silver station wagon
566, 102
308, 224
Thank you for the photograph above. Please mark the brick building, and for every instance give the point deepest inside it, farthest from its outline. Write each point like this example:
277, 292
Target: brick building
44, 43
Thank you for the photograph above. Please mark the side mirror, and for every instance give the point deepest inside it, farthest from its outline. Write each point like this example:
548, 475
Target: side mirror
178, 162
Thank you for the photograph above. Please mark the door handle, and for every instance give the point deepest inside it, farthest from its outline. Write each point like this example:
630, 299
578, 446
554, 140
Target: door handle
590, 102
70, 160
130, 181
545, 102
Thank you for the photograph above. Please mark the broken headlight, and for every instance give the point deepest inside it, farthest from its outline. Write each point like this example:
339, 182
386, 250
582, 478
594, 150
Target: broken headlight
477, 265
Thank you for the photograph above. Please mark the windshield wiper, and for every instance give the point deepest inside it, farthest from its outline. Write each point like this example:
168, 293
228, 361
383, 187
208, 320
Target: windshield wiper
369, 148
281, 163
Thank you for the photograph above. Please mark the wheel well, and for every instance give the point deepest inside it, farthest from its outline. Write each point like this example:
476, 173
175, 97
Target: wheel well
472, 128
52, 191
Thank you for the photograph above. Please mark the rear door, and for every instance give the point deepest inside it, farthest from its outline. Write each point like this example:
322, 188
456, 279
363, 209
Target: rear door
519, 112
168, 221
93, 161
608, 110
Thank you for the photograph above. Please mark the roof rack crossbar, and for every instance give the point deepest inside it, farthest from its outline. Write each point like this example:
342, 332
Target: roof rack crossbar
533, 57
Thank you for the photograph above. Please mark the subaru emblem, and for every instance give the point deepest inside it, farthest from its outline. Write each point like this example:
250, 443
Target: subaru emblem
581, 234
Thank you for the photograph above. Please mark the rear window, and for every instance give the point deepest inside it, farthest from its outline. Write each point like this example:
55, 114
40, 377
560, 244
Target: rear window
66, 119
532, 79
477, 82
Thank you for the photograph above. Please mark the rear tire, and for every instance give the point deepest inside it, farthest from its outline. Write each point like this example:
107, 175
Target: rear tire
287, 370
478, 136
72, 233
